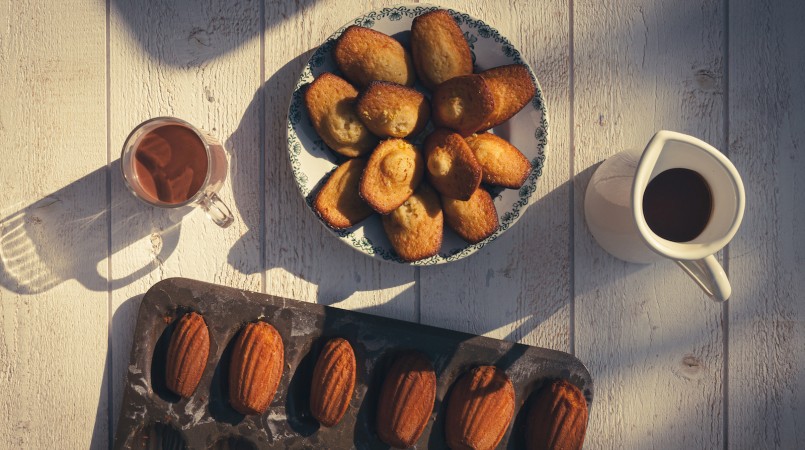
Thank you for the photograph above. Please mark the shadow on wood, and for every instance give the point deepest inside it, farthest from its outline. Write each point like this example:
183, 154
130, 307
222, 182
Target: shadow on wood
296, 244
65, 235
193, 33
114, 372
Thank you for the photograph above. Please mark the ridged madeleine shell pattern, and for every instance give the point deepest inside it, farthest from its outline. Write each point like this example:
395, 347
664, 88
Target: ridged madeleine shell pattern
479, 410
188, 351
406, 400
557, 419
256, 369
333, 382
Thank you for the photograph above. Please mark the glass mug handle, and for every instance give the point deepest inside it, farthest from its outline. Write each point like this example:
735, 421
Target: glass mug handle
710, 276
216, 210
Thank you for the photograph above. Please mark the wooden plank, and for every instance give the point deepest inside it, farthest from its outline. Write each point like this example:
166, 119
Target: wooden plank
767, 313
53, 225
200, 62
651, 339
303, 260
518, 287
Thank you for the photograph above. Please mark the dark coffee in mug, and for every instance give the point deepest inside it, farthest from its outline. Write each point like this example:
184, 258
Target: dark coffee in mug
677, 204
171, 163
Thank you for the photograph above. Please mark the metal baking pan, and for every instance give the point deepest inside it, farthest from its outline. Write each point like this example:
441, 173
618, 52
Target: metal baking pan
153, 417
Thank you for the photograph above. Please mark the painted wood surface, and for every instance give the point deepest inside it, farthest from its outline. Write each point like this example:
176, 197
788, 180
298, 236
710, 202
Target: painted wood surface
651, 339
766, 369
672, 370
53, 222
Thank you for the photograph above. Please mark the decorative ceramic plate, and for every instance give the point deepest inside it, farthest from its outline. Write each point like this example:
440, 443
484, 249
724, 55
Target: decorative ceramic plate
312, 161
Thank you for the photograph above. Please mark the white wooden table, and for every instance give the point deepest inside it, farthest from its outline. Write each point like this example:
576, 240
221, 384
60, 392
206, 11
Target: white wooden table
671, 369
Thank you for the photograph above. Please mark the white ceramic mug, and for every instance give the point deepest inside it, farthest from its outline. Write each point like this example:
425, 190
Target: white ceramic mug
613, 207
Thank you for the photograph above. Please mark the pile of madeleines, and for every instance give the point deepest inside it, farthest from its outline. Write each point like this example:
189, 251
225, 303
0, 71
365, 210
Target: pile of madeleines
480, 406
371, 117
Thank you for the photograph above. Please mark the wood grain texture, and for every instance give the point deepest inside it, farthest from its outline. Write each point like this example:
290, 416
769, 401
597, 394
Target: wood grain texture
651, 339
199, 61
304, 261
53, 220
518, 287
766, 143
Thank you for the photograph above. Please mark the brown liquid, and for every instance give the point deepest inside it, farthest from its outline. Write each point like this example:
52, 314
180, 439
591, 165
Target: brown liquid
677, 205
171, 163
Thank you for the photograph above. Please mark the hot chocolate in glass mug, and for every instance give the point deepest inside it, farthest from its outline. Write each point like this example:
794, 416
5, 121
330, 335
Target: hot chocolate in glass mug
680, 199
169, 163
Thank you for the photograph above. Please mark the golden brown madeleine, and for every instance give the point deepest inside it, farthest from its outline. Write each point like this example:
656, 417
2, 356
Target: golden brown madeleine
406, 400
502, 163
392, 174
188, 351
512, 88
415, 229
451, 165
393, 110
557, 419
463, 104
333, 382
479, 410
439, 49
256, 368
330, 103
475, 219
365, 55
338, 202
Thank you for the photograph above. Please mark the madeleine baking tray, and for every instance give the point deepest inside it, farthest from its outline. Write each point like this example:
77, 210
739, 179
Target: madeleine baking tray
153, 417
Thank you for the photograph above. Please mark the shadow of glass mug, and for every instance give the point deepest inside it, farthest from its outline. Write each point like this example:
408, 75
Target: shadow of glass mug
622, 218
169, 163
65, 235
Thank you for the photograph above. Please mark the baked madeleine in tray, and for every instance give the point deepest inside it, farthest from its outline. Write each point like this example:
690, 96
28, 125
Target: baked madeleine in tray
365, 55
393, 110
480, 409
406, 400
330, 102
392, 174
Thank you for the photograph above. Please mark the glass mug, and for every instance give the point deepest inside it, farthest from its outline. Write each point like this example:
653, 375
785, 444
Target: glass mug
169, 163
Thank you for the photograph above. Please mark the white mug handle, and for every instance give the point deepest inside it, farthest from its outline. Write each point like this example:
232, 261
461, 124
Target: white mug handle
710, 276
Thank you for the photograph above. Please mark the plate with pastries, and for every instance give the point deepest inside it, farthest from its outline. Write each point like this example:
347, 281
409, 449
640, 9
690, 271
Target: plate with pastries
417, 134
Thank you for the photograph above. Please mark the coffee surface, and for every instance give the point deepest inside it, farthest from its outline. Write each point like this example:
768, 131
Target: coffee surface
171, 163
677, 204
